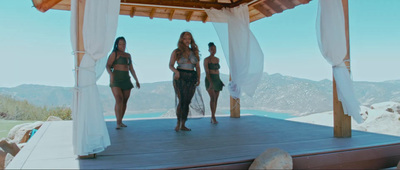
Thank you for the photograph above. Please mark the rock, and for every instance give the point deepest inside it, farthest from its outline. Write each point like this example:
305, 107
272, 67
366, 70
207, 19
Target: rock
21, 133
53, 118
273, 158
13, 131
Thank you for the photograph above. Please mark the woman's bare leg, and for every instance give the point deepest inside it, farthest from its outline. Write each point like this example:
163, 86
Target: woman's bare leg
178, 125
216, 95
118, 95
126, 94
183, 126
213, 104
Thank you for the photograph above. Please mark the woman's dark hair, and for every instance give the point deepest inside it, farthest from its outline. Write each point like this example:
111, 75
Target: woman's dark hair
211, 44
115, 48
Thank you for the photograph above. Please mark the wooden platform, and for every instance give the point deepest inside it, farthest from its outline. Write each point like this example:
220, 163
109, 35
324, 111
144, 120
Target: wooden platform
233, 143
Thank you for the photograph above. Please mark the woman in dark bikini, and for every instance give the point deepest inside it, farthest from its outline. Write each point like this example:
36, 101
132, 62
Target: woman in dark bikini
119, 65
213, 82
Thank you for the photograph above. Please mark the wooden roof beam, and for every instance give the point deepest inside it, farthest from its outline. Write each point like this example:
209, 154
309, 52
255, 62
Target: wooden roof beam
171, 14
153, 10
44, 5
189, 15
205, 18
132, 13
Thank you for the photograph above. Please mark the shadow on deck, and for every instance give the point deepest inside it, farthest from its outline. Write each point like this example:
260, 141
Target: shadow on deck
232, 144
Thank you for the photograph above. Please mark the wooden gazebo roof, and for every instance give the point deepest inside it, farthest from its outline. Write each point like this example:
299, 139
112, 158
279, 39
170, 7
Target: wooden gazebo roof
189, 10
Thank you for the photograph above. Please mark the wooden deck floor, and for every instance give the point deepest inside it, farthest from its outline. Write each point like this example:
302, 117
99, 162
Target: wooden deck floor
233, 143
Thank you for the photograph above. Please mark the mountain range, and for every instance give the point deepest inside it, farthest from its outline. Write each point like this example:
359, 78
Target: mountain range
275, 93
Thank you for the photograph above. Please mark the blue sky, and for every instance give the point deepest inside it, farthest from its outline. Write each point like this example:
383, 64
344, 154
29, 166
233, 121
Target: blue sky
36, 46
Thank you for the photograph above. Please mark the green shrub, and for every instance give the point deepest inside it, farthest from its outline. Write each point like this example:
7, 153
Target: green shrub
12, 109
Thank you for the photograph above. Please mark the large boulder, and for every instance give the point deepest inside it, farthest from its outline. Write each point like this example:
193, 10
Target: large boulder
13, 131
21, 133
53, 118
273, 158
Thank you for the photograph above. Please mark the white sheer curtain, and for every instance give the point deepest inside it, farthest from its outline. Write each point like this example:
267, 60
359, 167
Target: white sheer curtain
242, 51
331, 38
90, 133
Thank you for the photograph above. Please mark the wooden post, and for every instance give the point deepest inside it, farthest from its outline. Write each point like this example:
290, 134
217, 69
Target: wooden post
342, 122
44, 5
235, 106
80, 46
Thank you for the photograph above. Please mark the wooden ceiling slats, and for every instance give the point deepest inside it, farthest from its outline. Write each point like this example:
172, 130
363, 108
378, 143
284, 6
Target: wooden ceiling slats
277, 2
303, 1
189, 10
257, 16
287, 3
296, 2
262, 9
272, 5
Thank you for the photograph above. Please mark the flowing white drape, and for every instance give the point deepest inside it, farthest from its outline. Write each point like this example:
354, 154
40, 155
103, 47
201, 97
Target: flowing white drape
90, 133
242, 51
331, 38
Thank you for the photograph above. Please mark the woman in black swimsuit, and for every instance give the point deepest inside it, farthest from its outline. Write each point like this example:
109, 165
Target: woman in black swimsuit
119, 65
213, 82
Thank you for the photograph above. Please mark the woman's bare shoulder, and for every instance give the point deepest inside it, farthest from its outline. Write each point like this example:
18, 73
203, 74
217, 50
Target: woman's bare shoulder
128, 55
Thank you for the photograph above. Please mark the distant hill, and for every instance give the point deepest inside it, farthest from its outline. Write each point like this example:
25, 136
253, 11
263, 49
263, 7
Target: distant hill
275, 93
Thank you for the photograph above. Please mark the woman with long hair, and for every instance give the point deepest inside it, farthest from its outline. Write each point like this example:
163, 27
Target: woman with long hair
186, 76
119, 65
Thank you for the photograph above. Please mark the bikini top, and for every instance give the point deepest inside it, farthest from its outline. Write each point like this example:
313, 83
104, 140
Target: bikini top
121, 60
188, 63
213, 66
